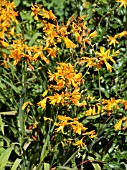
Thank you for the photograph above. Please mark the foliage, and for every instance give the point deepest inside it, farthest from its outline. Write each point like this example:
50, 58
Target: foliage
63, 84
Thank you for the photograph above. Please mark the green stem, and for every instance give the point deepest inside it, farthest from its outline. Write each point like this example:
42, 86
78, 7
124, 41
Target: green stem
100, 95
107, 14
21, 116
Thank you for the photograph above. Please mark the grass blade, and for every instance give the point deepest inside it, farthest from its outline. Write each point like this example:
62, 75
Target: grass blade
4, 158
16, 164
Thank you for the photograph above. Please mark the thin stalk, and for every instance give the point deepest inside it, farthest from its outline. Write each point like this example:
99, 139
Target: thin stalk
21, 116
99, 83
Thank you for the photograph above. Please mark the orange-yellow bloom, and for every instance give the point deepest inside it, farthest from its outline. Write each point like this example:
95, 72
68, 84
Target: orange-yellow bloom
48, 14
111, 104
77, 126
69, 43
92, 134
123, 33
26, 104
35, 11
45, 93
123, 3
112, 40
105, 55
64, 122
93, 34
61, 126
125, 105
78, 37
91, 61
42, 103
57, 98
63, 118
118, 125
80, 143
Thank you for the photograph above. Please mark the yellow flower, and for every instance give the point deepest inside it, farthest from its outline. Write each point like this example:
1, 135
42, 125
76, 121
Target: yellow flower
121, 34
6, 60
92, 134
118, 125
108, 66
78, 37
64, 122
113, 40
93, 34
77, 126
26, 104
99, 109
4, 44
2, 34
42, 103
45, 93
93, 112
91, 61
39, 53
89, 112
51, 51
12, 32
61, 126
35, 11
63, 118
46, 118
105, 55
125, 105
48, 14
69, 43
80, 143
57, 98
123, 3
75, 96
111, 104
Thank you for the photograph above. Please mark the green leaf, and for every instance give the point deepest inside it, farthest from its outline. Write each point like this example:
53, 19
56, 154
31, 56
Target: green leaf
1, 125
4, 157
33, 39
65, 167
2, 85
58, 2
46, 166
6, 51
103, 90
8, 113
17, 2
8, 141
72, 156
16, 164
1, 150
25, 15
104, 1
11, 85
117, 21
95, 165
114, 165
44, 152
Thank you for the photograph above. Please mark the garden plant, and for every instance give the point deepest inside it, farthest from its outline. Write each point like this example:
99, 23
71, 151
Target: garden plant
63, 85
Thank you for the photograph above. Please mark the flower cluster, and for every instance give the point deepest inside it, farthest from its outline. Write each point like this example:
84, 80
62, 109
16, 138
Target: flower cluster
55, 34
76, 126
7, 30
7, 17
67, 80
